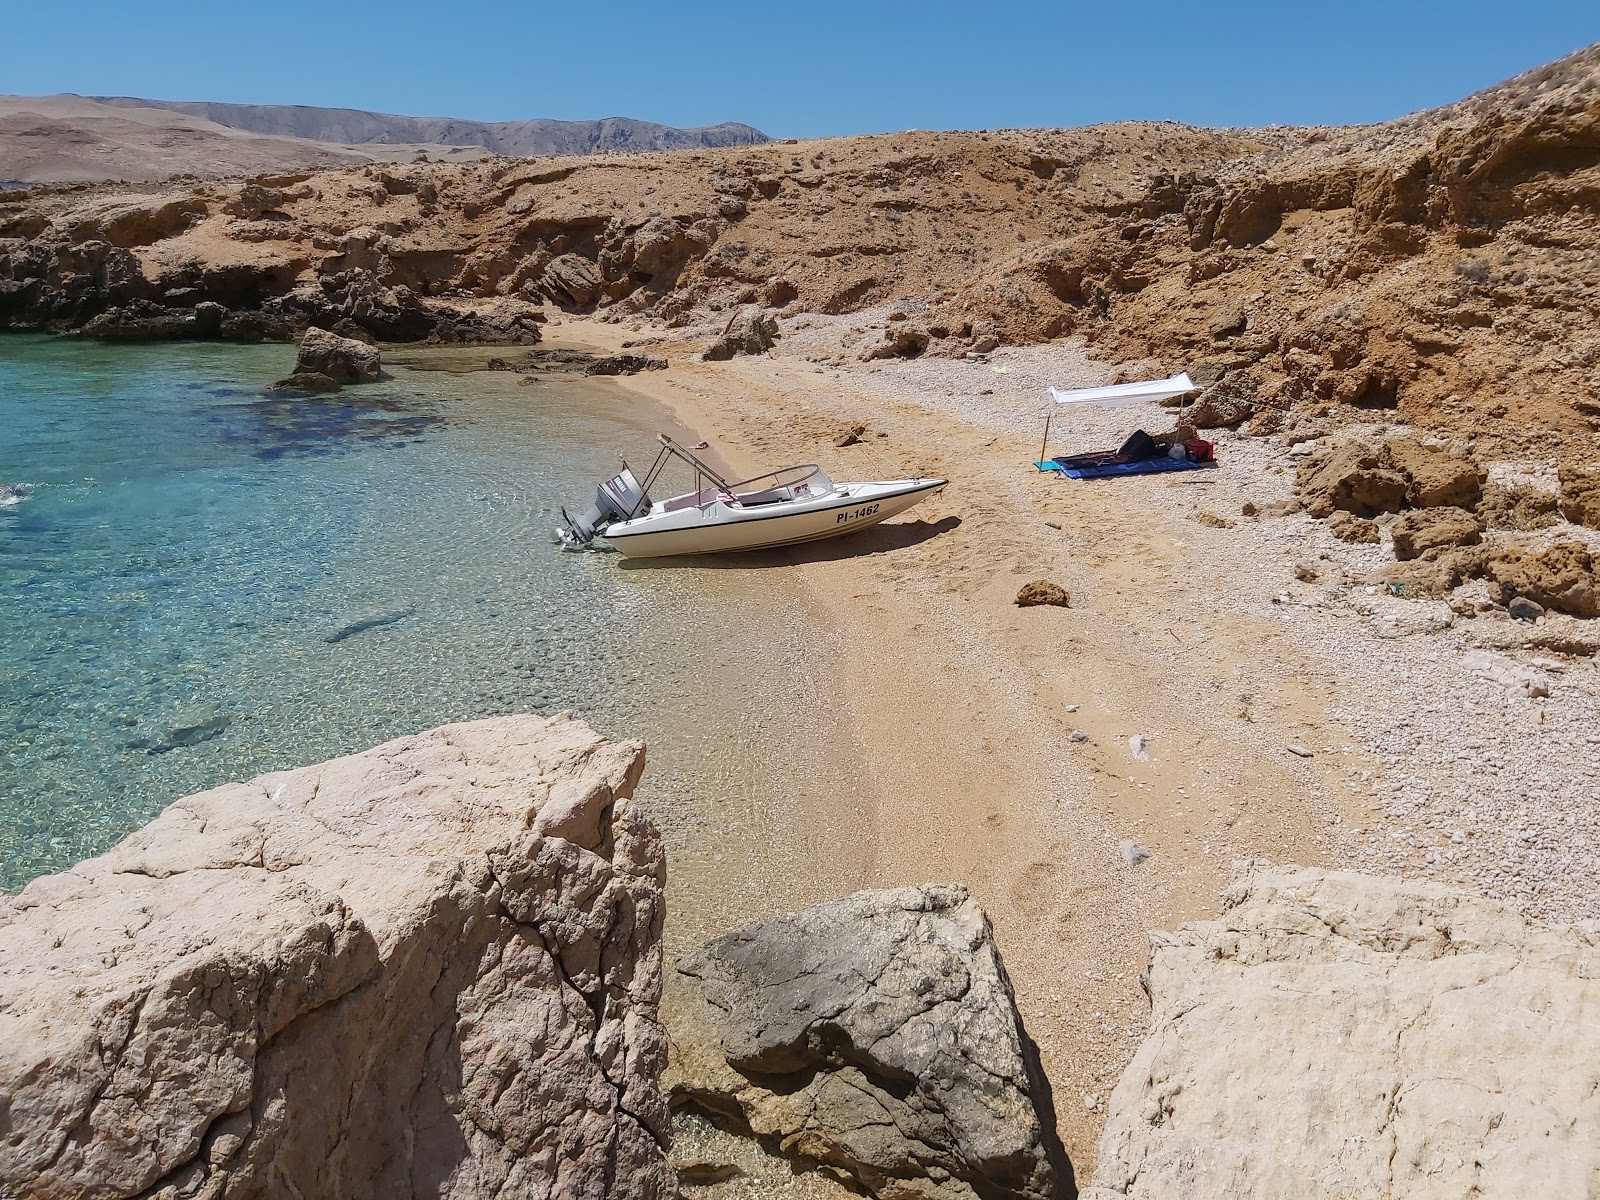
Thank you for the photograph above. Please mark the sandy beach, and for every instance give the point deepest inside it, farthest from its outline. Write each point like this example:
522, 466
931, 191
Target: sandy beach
1236, 646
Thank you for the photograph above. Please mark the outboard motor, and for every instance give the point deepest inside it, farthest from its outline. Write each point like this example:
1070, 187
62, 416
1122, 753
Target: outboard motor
619, 498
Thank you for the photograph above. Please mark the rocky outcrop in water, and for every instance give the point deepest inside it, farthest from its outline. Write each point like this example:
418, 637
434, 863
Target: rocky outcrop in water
431, 969
1334, 1034
327, 360
875, 1038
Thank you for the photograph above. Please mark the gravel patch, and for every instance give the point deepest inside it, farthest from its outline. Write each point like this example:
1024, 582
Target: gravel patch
1480, 758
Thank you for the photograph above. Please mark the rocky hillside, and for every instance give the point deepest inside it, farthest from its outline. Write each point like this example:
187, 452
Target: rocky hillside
351, 126
68, 139
1441, 269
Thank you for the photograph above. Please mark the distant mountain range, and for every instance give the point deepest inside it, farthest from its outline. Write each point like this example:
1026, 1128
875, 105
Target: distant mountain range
68, 138
354, 127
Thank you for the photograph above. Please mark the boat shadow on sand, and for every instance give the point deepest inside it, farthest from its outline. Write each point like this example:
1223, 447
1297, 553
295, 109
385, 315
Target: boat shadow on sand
877, 539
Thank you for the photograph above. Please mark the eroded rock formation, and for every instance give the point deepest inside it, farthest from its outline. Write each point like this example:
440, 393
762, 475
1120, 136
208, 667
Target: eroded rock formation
431, 969
876, 1038
1335, 1034
748, 331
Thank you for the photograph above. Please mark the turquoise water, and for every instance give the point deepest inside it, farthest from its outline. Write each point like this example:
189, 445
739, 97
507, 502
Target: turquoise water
201, 582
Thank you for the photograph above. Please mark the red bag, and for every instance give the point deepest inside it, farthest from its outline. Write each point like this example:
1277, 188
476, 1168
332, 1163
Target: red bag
1198, 450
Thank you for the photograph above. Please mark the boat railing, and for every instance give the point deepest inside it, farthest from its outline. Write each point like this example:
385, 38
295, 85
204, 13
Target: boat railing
786, 483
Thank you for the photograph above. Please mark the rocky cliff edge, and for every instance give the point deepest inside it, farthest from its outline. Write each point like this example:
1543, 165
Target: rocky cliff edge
1335, 1035
428, 969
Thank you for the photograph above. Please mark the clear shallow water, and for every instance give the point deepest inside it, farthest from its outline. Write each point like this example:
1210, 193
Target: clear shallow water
203, 583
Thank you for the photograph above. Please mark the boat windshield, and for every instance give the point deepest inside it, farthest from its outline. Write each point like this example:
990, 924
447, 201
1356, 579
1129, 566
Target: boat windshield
788, 483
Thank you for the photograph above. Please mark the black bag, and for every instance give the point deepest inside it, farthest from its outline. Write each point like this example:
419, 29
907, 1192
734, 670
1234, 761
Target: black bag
1139, 447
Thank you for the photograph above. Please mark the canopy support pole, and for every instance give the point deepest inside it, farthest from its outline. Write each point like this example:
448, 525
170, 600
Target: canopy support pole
1049, 412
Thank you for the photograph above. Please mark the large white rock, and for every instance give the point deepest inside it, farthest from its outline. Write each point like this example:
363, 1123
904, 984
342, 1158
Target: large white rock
431, 969
1339, 1035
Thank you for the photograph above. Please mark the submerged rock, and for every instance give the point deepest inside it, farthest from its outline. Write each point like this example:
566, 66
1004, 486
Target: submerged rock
376, 620
1335, 1034
430, 969
193, 727
306, 381
877, 1036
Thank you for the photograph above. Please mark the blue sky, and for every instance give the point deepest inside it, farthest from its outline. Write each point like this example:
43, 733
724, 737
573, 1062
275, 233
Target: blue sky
800, 69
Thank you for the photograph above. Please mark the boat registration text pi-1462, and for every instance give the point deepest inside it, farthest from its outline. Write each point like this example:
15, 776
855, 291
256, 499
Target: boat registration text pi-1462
851, 516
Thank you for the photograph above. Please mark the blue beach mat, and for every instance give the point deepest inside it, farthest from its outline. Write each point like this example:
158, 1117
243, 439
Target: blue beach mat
1149, 466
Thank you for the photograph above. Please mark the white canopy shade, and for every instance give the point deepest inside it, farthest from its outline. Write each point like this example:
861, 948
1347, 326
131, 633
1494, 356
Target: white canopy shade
1119, 394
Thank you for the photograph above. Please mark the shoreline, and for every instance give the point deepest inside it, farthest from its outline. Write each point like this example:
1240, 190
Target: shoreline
979, 780
931, 735
1188, 627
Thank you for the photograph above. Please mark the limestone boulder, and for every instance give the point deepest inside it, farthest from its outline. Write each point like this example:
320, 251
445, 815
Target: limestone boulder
145, 321
1042, 591
901, 339
1562, 578
1368, 478
1337, 1035
1351, 477
876, 1037
431, 969
1435, 477
1520, 506
1436, 574
661, 246
134, 221
1580, 495
1229, 401
572, 281
1425, 529
1348, 527
748, 331
341, 359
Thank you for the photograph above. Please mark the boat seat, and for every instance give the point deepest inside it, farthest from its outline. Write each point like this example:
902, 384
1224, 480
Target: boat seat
692, 500
770, 496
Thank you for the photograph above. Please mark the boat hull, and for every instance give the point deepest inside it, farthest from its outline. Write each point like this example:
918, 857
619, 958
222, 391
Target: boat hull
722, 529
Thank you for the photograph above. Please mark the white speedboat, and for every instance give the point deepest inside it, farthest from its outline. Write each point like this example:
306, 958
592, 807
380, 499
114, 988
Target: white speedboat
780, 508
